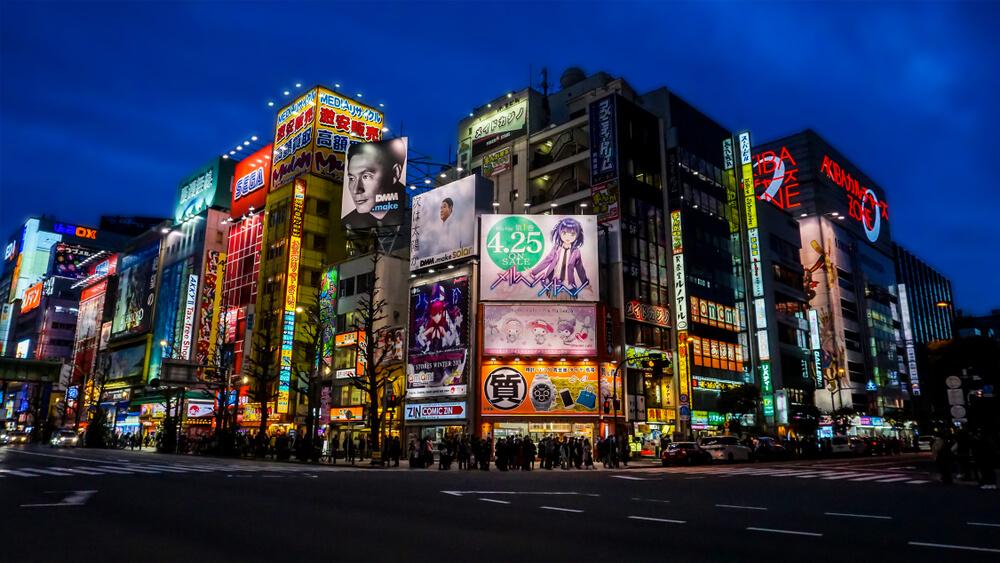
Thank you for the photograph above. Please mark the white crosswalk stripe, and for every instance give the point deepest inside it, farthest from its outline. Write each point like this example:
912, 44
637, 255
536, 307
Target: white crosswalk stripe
824, 472
137, 469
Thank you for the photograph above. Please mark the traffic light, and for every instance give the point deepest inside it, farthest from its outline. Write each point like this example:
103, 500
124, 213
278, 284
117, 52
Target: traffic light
607, 406
657, 363
392, 400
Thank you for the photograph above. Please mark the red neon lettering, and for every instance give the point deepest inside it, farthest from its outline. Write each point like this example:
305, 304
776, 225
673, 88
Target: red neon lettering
785, 154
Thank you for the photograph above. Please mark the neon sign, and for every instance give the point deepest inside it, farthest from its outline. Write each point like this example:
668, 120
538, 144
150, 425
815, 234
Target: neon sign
776, 172
864, 204
291, 294
81, 232
32, 298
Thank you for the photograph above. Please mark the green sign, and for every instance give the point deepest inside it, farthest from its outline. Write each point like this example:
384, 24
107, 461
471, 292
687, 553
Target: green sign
715, 419
208, 187
765, 377
768, 405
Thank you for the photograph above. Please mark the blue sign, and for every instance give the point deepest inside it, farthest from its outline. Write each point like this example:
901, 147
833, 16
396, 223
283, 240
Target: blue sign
871, 386
685, 411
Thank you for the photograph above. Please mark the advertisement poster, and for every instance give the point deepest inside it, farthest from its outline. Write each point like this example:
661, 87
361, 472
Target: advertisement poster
32, 298
206, 188
341, 122
438, 338
253, 181
293, 139
539, 258
443, 224
495, 163
128, 362
526, 389
134, 299
499, 128
562, 330
215, 264
374, 193
66, 260
89, 319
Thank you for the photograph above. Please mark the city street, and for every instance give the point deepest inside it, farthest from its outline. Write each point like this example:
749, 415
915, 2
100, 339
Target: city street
124, 505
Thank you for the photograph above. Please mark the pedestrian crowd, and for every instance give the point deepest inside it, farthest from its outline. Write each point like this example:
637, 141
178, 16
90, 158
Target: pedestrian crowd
518, 452
971, 456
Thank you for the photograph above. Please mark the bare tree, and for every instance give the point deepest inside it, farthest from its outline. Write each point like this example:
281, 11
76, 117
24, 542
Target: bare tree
315, 338
97, 420
379, 373
264, 371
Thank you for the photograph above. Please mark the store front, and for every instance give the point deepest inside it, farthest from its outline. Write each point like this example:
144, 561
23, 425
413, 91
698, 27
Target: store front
545, 429
436, 421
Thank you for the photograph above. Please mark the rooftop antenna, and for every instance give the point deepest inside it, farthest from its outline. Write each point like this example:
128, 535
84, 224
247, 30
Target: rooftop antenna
544, 84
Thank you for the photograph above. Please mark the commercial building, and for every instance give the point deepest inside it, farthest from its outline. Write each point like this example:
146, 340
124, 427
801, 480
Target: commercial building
849, 270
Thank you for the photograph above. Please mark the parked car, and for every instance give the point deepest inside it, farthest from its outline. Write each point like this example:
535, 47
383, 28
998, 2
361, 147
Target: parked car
924, 443
64, 439
16, 437
686, 453
725, 448
848, 445
768, 449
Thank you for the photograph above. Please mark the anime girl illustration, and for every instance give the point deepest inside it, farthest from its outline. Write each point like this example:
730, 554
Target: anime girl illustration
562, 269
512, 329
540, 329
436, 328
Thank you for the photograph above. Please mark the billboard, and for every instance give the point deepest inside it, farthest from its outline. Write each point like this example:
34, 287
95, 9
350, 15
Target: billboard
253, 179
374, 193
128, 362
312, 135
66, 260
496, 162
437, 363
291, 294
501, 127
542, 389
32, 298
539, 258
443, 223
208, 187
134, 299
604, 158
211, 292
89, 318
560, 330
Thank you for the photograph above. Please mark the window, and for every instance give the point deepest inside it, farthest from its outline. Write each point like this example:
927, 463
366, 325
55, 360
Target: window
322, 208
347, 287
319, 243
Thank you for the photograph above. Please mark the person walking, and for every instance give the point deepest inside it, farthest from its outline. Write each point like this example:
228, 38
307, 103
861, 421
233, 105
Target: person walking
588, 454
941, 452
395, 450
984, 454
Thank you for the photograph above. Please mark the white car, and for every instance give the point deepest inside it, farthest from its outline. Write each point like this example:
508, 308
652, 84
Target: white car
725, 448
64, 439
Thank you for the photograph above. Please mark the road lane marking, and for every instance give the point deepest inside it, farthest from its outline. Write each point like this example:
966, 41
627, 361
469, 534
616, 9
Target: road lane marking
743, 507
57, 456
845, 476
893, 480
46, 471
84, 471
792, 532
561, 509
858, 515
869, 478
18, 473
694, 477
495, 500
648, 499
983, 524
569, 493
917, 482
75, 498
648, 519
946, 546
630, 478
114, 470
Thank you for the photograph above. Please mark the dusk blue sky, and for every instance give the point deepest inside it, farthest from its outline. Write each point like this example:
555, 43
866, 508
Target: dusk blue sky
106, 106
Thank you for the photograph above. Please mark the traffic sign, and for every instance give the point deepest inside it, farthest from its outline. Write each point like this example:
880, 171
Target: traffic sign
958, 411
953, 382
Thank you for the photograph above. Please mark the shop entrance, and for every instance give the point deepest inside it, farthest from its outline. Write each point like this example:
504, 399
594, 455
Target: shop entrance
539, 430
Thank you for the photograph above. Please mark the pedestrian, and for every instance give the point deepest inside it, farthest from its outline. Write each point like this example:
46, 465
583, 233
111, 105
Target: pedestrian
626, 450
984, 457
941, 452
487, 452
588, 454
334, 447
395, 450
361, 448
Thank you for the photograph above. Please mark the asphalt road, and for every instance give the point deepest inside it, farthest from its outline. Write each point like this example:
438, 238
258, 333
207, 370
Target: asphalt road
107, 506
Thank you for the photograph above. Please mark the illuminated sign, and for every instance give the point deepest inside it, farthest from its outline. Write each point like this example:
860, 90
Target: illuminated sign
680, 284
761, 312
8, 252
291, 294
253, 179
713, 384
756, 269
506, 125
344, 414
814, 330
765, 377
207, 187
496, 163
73, 230
635, 358
684, 373
762, 346
768, 401
106, 267
438, 339
777, 174
94, 291
436, 411
443, 226
727, 154
542, 389
32, 298
604, 159
540, 330
22, 349
864, 204
647, 313
713, 314
192, 297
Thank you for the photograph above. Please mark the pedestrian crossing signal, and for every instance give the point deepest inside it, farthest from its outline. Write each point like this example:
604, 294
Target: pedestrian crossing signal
607, 406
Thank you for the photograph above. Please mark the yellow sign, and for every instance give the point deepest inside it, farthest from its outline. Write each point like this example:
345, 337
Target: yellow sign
684, 383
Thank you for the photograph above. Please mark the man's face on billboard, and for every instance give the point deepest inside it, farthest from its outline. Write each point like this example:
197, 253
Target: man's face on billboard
365, 176
445, 211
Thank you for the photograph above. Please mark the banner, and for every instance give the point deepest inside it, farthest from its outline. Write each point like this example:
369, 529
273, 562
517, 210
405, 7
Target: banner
560, 330
539, 258
134, 299
502, 127
497, 162
438, 338
542, 389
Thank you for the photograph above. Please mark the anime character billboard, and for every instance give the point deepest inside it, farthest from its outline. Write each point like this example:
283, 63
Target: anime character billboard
561, 330
539, 258
438, 338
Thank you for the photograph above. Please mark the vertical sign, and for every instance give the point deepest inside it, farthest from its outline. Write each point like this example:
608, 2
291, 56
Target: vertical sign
192, 296
683, 371
604, 158
680, 287
291, 294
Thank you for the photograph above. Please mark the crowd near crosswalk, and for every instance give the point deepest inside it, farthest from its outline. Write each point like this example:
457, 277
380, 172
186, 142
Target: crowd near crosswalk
815, 472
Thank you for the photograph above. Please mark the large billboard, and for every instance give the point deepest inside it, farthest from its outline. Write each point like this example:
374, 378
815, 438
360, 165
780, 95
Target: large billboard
312, 135
437, 364
88, 321
253, 178
604, 158
127, 363
211, 293
499, 128
443, 224
539, 330
542, 389
32, 298
208, 187
539, 258
66, 260
374, 193
134, 299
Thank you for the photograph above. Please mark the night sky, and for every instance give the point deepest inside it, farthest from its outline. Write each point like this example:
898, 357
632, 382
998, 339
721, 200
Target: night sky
106, 106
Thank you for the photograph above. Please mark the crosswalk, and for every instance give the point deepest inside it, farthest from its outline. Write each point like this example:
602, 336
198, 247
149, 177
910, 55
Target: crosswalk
121, 469
826, 474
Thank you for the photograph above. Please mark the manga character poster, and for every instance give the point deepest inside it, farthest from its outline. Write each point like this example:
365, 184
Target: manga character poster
134, 299
437, 364
562, 330
539, 258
